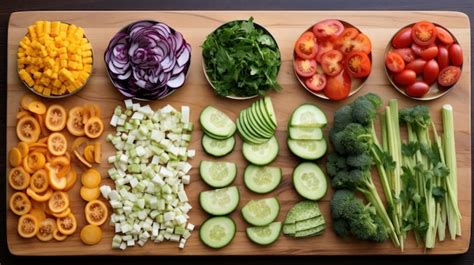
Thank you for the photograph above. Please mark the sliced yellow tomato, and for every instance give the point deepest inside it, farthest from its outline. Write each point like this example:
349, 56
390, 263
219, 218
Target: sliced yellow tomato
82, 159
56, 118
94, 127
91, 234
71, 178
37, 107
91, 178
63, 213
35, 161
28, 226
22, 113
18, 178
57, 144
19, 203
58, 236
39, 197
38, 213
14, 157
75, 121
28, 129
89, 194
96, 212
67, 225
39, 181
89, 153
26, 100
61, 165
58, 202
46, 229
24, 149
97, 152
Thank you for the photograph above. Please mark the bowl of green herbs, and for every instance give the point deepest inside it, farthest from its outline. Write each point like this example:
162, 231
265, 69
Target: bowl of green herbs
241, 60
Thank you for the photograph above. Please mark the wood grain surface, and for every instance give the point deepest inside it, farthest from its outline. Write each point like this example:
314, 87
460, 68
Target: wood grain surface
285, 26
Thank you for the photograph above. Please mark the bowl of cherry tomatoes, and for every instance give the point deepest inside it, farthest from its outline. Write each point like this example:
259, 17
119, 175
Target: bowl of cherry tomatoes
332, 59
423, 60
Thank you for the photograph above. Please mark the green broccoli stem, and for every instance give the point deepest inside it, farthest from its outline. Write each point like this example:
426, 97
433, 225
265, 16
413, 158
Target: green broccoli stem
370, 193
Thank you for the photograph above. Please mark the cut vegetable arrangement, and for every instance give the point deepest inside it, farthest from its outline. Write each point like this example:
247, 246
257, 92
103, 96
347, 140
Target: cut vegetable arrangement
304, 220
257, 123
150, 170
218, 138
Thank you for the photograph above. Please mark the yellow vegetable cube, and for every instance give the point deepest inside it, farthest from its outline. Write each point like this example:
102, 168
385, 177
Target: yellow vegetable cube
72, 65
57, 83
88, 68
63, 28
25, 76
47, 92
86, 46
47, 27
87, 60
55, 91
39, 27
79, 33
63, 50
71, 88
87, 53
63, 63
48, 73
39, 88
32, 32
62, 90
55, 26
37, 75
63, 56
71, 30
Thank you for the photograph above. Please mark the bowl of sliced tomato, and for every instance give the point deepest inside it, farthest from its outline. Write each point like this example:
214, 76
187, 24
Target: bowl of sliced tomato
332, 59
423, 60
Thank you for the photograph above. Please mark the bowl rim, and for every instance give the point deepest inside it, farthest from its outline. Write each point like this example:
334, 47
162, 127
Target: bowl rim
68, 94
320, 94
389, 48
203, 61
139, 98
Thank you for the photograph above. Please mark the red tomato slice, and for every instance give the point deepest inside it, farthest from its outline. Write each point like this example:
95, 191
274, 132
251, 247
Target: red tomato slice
331, 62
329, 28
407, 54
305, 68
306, 46
362, 44
316, 83
338, 87
394, 62
405, 77
324, 46
344, 41
430, 72
402, 39
429, 53
449, 76
424, 33
417, 89
444, 36
443, 57
455, 55
418, 65
358, 64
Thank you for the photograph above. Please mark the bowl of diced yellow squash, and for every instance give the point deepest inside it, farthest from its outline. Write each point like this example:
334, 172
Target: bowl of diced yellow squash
54, 59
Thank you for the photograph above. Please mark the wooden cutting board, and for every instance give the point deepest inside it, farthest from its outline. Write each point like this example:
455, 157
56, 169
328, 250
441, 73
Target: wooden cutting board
285, 26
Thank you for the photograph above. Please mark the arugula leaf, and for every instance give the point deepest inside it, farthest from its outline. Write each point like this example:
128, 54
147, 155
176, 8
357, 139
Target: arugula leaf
241, 59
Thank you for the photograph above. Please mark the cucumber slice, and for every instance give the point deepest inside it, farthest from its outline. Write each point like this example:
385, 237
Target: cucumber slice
315, 231
262, 179
310, 181
261, 212
308, 149
216, 122
216, 147
254, 110
289, 229
246, 137
217, 174
308, 115
261, 154
264, 235
260, 130
213, 136
309, 223
217, 232
301, 211
220, 201
305, 133
270, 111
263, 113
251, 129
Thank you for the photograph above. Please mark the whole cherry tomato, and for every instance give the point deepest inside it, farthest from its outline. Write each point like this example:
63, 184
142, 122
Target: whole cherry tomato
417, 89
405, 77
430, 72
402, 39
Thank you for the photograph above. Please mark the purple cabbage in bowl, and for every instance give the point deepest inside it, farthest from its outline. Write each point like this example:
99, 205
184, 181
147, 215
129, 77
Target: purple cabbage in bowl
147, 60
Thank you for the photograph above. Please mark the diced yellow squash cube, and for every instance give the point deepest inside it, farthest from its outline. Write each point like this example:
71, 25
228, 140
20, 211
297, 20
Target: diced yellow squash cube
63, 56
63, 63
32, 32
62, 91
21, 61
37, 75
75, 57
79, 66
57, 83
55, 26
62, 50
55, 91
86, 46
47, 92
71, 65
47, 27
48, 72
63, 28
50, 63
87, 53
87, 60
87, 68
39, 88
39, 27
71, 88
45, 81
79, 33
25, 76
71, 30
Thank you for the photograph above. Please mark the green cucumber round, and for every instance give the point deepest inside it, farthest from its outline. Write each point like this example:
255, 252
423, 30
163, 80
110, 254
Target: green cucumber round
217, 232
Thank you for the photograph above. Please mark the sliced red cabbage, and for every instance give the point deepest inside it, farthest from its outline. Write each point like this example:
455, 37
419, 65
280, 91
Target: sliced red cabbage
147, 60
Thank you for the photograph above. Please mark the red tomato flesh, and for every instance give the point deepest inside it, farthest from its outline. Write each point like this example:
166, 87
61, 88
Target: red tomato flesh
331, 62
394, 62
424, 33
429, 53
449, 76
316, 83
324, 46
407, 54
305, 68
358, 64
444, 36
306, 46
345, 41
338, 87
329, 28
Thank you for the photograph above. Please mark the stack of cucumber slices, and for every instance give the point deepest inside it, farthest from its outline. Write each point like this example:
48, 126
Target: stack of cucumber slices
256, 125
305, 135
304, 220
261, 214
218, 138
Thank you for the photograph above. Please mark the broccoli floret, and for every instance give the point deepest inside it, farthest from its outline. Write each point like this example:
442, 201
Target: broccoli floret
374, 99
363, 111
354, 139
363, 161
342, 117
335, 163
418, 115
351, 216
352, 180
